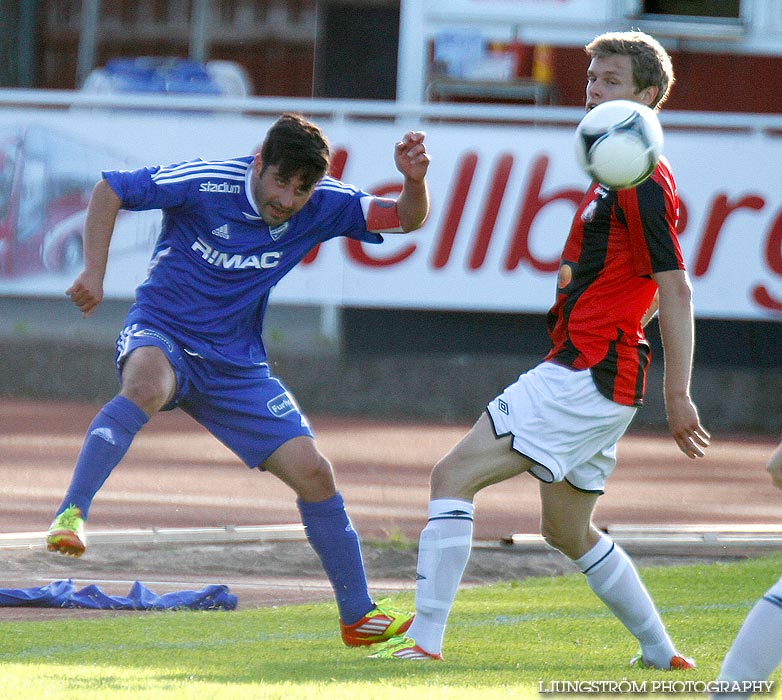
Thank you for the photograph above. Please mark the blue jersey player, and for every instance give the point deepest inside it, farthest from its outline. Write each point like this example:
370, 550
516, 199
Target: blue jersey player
231, 230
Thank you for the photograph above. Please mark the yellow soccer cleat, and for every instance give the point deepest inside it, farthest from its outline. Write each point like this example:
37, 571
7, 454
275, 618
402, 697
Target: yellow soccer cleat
378, 625
66, 533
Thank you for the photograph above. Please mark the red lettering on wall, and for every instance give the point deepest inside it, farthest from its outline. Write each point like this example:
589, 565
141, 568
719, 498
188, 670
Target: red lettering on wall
532, 205
339, 160
681, 224
774, 245
774, 259
464, 176
764, 299
721, 209
490, 211
532, 199
309, 258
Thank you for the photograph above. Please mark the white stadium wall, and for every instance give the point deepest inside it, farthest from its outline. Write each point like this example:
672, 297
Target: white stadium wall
504, 183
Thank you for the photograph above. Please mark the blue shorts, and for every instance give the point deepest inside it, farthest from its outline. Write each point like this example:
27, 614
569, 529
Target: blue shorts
248, 410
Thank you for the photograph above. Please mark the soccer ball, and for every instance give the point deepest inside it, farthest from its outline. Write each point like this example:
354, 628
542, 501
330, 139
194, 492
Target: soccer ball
618, 143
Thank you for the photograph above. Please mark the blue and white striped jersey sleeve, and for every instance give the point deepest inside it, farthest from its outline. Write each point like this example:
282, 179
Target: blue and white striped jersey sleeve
167, 187
346, 208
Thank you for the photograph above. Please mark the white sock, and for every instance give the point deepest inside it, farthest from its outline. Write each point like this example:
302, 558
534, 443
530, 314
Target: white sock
757, 648
443, 551
614, 579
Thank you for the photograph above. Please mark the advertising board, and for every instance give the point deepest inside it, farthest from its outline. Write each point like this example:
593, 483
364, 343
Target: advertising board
502, 196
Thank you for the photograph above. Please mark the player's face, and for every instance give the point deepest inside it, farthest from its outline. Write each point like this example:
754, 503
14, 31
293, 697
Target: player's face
276, 197
611, 78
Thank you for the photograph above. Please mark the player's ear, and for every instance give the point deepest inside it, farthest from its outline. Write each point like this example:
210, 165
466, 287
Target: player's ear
257, 165
649, 95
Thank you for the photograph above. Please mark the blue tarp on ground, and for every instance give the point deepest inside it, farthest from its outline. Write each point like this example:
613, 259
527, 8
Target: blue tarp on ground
63, 594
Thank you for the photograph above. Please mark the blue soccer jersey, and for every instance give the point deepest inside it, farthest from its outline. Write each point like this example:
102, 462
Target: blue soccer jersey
216, 260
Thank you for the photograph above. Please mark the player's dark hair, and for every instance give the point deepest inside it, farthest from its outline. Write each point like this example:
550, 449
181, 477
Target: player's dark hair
651, 62
297, 147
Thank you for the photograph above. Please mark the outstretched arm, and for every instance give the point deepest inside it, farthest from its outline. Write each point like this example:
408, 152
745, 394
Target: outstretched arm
412, 161
87, 289
678, 337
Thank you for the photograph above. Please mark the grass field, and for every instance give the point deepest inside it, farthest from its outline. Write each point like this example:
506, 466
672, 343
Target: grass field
509, 640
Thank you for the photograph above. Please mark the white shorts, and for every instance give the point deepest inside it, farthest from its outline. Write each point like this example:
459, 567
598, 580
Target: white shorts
560, 421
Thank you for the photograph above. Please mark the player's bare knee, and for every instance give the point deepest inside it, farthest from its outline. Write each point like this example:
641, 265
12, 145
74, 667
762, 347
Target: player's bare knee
563, 538
148, 380
555, 540
314, 480
322, 473
149, 396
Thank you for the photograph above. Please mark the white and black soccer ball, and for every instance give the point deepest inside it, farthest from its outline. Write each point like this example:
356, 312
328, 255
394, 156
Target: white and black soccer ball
619, 143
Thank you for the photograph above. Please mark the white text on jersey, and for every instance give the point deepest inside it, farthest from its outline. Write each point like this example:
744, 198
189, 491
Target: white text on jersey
218, 258
219, 187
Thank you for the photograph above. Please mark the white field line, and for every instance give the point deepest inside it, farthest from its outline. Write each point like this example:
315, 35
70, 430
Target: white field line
213, 535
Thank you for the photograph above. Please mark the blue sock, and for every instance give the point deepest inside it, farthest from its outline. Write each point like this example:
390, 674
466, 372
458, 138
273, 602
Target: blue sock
108, 439
333, 538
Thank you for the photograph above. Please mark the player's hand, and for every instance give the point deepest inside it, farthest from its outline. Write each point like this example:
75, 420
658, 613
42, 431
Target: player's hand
86, 292
774, 466
410, 156
685, 426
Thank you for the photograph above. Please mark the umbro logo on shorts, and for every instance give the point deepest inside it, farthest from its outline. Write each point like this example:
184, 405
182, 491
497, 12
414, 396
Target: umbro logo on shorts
280, 405
503, 406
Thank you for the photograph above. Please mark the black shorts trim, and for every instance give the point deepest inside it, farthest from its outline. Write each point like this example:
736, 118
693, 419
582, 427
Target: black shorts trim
598, 492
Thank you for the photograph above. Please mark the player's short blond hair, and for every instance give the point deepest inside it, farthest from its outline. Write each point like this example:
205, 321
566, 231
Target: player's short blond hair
651, 63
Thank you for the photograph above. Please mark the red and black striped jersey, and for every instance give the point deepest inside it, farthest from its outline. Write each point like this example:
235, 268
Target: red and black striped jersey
617, 240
